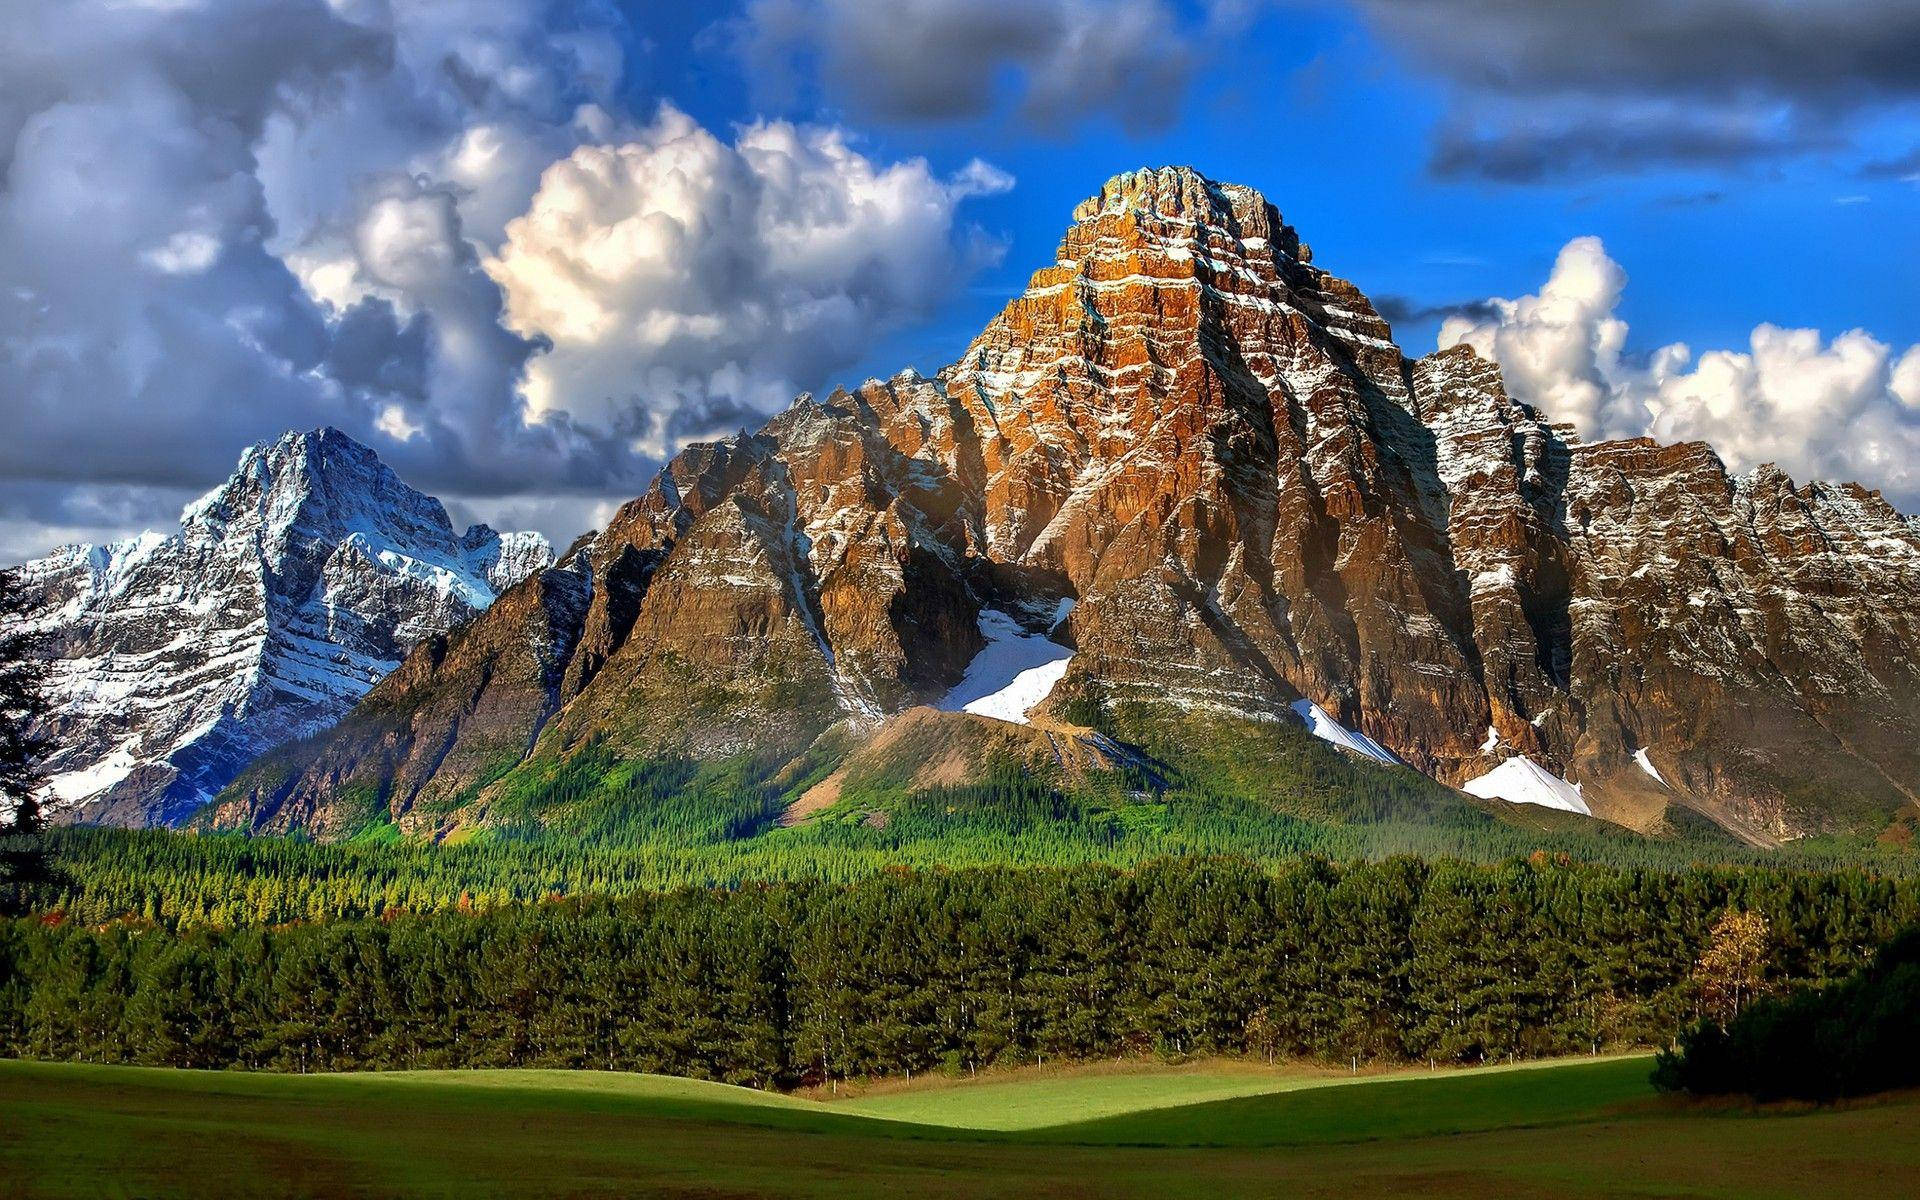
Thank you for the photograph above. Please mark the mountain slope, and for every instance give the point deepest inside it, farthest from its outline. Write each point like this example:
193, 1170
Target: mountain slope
287, 592
1197, 461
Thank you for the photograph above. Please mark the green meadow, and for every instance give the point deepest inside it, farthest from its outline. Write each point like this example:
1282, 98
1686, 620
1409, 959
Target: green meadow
1573, 1128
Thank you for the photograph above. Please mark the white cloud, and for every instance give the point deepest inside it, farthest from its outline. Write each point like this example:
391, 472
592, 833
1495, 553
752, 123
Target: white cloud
1843, 409
1560, 349
702, 280
224, 219
396, 424
185, 253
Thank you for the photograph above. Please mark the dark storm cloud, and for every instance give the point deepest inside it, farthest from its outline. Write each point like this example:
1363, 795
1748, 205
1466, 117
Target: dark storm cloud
1822, 52
1061, 61
1539, 149
1905, 166
1547, 90
1403, 310
35, 517
373, 349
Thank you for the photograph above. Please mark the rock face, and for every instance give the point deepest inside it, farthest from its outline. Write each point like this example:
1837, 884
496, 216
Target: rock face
1210, 456
288, 591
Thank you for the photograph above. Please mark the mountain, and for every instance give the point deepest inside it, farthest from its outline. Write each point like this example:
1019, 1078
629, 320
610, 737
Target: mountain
1185, 483
287, 592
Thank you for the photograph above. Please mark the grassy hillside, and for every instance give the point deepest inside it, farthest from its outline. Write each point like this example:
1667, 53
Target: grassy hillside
1231, 1102
1579, 1129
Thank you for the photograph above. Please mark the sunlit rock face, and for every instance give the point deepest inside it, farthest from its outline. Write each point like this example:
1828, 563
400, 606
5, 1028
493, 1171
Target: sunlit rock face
1198, 462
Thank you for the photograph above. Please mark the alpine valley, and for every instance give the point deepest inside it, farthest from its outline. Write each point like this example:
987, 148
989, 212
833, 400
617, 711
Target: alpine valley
1181, 505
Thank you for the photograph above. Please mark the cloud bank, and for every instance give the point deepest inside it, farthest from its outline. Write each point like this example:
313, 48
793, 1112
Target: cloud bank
220, 219
1845, 408
1547, 90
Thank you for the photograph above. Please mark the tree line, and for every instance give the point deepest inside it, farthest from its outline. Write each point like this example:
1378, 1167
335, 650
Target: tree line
779, 984
166, 878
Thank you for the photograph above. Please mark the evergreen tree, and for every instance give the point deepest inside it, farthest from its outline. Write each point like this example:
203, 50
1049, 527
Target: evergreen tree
23, 854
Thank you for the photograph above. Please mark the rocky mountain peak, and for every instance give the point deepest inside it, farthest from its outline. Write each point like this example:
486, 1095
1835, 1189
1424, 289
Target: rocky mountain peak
285, 594
317, 488
1188, 470
1179, 203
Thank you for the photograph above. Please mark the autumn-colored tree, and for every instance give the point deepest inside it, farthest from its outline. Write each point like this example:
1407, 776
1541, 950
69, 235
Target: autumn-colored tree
1263, 1034
1732, 971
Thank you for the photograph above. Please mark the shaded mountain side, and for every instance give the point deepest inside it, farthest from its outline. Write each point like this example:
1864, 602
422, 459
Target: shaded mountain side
457, 714
1197, 462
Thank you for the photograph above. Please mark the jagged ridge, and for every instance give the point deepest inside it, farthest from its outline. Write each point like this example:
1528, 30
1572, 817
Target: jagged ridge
1213, 448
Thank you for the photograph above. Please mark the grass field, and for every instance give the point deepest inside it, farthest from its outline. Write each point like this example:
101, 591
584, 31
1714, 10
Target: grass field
1077, 1097
1589, 1128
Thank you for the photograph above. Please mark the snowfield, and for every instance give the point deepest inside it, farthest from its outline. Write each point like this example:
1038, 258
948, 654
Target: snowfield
1646, 764
1324, 727
1011, 675
1520, 780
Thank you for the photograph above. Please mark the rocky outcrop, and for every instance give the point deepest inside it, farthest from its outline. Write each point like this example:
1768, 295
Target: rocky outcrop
286, 594
1208, 455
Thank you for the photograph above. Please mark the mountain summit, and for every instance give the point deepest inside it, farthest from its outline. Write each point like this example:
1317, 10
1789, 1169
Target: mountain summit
1186, 471
287, 592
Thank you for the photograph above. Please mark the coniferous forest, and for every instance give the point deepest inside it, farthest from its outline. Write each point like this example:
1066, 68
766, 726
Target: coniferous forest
785, 983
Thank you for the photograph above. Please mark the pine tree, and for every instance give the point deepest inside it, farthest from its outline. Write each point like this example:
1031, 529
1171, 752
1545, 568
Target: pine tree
23, 856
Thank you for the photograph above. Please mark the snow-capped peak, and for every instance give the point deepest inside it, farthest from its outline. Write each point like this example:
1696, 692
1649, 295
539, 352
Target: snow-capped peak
287, 592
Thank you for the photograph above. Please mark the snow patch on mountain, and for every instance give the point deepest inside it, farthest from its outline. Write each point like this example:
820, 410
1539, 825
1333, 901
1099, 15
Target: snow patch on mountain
1520, 780
1646, 764
1013, 672
1324, 727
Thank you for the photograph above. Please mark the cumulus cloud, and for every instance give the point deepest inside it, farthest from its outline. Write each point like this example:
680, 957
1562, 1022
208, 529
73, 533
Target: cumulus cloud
1548, 89
1560, 349
1841, 408
162, 165
220, 219
711, 276
949, 59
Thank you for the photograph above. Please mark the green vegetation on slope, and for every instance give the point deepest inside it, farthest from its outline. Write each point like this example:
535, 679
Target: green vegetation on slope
592, 825
1578, 1130
1175, 782
1445, 1103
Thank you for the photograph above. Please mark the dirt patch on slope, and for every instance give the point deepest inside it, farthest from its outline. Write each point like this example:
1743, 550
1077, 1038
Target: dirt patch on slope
820, 796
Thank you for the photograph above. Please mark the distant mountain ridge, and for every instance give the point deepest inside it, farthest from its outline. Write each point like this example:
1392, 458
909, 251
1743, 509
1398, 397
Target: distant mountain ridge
287, 592
1198, 462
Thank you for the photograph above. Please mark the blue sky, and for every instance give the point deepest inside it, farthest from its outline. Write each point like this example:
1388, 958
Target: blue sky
439, 225
1314, 111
